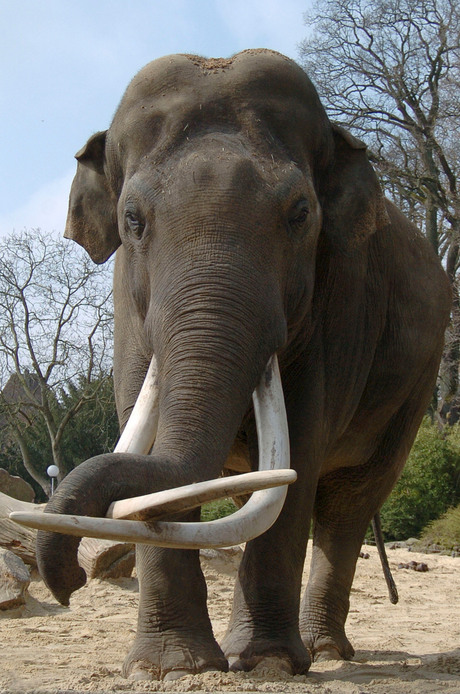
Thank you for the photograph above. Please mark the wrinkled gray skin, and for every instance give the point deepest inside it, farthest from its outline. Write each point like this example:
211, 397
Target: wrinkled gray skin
247, 224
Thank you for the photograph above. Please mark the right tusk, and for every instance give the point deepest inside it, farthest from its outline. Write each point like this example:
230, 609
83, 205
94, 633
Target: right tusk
258, 514
138, 435
141, 428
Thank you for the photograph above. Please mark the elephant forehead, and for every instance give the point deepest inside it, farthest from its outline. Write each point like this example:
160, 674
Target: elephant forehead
257, 92
250, 70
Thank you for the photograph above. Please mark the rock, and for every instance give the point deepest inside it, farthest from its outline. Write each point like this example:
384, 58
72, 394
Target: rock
364, 555
14, 580
15, 486
434, 549
225, 560
415, 566
395, 544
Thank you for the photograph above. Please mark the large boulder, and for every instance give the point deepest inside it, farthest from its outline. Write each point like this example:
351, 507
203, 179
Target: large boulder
15, 486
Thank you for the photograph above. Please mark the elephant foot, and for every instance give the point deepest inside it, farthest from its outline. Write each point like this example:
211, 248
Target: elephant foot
326, 647
289, 656
139, 670
172, 661
258, 663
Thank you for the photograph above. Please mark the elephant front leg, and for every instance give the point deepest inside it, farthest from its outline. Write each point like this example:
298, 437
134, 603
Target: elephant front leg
265, 616
174, 635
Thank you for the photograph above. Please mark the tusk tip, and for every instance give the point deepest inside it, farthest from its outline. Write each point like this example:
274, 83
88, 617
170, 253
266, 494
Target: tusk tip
24, 518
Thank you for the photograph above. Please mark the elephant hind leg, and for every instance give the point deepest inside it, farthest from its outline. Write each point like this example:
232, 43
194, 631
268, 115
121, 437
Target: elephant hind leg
346, 501
325, 603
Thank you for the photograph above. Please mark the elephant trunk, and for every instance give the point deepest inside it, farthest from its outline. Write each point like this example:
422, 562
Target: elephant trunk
205, 389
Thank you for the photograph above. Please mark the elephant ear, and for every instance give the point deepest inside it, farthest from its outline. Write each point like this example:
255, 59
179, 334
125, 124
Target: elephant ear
353, 202
92, 215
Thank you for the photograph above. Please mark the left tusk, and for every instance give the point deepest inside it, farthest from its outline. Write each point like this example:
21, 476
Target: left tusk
258, 514
159, 504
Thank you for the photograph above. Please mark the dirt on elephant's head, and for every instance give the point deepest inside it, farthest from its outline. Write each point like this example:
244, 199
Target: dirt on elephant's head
216, 64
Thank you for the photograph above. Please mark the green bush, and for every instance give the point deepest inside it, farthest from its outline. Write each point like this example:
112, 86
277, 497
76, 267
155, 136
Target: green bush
444, 531
217, 509
428, 486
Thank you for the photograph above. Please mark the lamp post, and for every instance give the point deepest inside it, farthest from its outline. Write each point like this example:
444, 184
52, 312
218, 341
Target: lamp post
52, 471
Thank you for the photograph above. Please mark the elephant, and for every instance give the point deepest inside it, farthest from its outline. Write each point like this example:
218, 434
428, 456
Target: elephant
247, 227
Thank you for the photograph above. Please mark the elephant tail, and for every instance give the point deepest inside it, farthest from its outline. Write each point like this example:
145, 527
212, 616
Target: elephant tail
377, 530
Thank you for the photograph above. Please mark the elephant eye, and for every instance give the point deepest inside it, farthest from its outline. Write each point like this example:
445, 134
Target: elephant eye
299, 215
133, 224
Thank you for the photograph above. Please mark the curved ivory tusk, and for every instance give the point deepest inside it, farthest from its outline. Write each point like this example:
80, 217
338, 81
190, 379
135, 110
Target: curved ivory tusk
258, 514
141, 428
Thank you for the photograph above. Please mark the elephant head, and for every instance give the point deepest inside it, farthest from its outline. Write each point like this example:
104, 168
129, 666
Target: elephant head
217, 181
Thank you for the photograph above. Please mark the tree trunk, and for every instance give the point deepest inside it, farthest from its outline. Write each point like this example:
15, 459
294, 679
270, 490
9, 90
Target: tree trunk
449, 370
41, 479
431, 224
18, 539
106, 559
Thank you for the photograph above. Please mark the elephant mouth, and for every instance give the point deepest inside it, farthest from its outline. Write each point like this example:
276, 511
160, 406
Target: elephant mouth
138, 519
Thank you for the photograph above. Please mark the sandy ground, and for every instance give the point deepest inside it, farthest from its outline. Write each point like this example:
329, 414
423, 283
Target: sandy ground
413, 647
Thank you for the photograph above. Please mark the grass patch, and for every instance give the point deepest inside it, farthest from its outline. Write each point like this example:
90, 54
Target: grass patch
445, 531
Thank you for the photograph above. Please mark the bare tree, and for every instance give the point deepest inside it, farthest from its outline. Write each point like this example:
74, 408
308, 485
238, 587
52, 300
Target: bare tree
390, 71
55, 330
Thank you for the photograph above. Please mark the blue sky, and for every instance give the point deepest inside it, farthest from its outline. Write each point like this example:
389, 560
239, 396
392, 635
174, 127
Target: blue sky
64, 67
